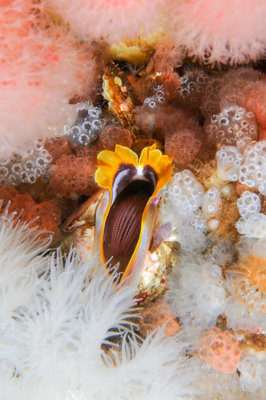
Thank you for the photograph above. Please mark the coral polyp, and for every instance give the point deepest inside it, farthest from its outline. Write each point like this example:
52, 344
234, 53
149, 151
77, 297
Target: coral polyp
249, 282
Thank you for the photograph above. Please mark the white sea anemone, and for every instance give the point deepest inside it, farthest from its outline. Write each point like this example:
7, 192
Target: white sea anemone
55, 335
223, 31
114, 20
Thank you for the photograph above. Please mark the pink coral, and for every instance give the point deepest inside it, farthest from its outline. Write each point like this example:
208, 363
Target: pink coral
112, 135
114, 20
256, 102
41, 69
57, 146
223, 31
45, 216
73, 176
183, 146
220, 349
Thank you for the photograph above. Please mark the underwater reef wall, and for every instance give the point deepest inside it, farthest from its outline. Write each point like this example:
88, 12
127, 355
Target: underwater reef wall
132, 199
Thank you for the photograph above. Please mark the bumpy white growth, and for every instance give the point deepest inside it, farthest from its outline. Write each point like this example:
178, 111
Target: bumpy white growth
182, 197
211, 202
252, 172
229, 161
252, 374
191, 239
248, 203
213, 384
196, 293
55, 315
252, 225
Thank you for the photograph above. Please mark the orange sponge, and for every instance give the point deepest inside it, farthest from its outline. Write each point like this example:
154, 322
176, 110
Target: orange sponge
155, 315
220, 349
112, 135
45, 216
183, 146
73, 176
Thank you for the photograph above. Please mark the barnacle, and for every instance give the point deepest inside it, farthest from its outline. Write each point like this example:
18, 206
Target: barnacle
117, 92
128, 219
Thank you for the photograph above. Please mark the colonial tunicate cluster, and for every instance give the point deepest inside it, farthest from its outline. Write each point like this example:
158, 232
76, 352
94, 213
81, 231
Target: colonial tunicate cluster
220, 349
25, 168
232, 126
229, 160
182, 196
211, 202
192, 240
252, 172
156, 99
87, 126
226, 90
192, 86
252, 225
248, 203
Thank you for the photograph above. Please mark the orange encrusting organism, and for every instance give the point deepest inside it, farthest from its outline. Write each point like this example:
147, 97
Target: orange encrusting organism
220, 349
155, 315
45, 216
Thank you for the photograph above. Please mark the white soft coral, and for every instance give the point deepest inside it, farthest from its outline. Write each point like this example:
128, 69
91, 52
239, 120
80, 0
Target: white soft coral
51, 344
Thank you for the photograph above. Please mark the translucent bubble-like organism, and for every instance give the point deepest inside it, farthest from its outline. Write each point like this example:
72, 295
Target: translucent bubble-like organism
211, 202
233, 126
192, 87
86, 128
252, 225
26, 168
181, 197
229, 160
248, 203
252, 172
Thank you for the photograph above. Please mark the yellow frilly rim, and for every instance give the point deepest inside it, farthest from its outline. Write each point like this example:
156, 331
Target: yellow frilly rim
109, 163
